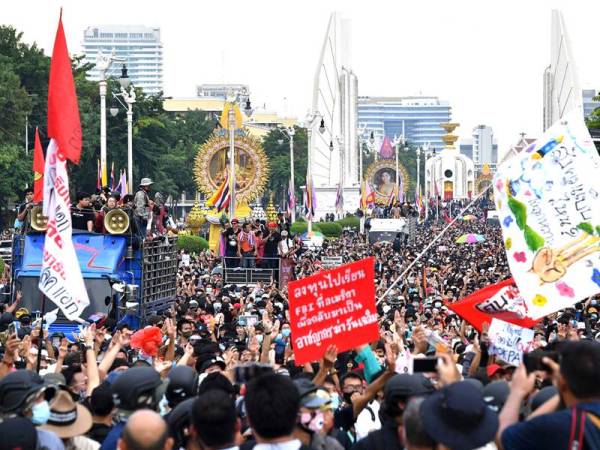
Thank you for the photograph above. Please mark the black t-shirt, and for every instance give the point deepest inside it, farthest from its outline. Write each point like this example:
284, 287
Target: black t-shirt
98, 432
231, 243
271, 243
80, 218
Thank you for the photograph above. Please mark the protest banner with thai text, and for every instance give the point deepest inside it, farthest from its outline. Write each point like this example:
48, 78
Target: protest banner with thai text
333, 307
547, 198
509, 342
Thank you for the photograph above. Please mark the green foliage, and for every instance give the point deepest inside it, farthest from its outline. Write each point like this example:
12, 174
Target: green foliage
349, 221
193, 244
330, 229
1, 265
278, 156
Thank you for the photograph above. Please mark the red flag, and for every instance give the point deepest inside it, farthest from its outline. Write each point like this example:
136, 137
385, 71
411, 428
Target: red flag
501, 301
63, 112
38, 169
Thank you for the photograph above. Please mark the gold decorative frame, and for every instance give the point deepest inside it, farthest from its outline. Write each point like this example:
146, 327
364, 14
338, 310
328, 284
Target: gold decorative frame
243, 142
386, 164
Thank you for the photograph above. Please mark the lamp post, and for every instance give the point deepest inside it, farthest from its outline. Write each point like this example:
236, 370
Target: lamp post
289, 132
103, 63
128, 95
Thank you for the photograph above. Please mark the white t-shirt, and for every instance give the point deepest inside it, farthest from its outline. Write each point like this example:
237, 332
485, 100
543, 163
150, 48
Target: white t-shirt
185, 259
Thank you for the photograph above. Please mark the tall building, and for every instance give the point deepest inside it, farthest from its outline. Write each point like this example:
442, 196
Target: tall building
562, 92
417, 118
589, 105
482, 148
140, 47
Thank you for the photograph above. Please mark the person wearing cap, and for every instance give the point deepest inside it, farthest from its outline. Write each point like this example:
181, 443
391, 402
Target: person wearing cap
102, 407
18, 433
576, 425
22, 394
311, 419
70, 421
456, 417
21, 222
141, 202
82, 214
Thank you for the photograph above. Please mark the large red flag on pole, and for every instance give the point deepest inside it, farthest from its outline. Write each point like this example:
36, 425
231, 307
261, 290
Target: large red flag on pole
63, 112
38, 169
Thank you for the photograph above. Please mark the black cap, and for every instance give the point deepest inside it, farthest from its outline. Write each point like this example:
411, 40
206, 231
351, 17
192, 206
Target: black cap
17, 389
495, 394
406, 385
18, 433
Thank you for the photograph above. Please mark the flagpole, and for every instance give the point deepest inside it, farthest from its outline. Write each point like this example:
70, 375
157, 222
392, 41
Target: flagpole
231, 125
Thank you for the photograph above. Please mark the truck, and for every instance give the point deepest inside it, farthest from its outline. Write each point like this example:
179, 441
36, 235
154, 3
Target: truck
116, 268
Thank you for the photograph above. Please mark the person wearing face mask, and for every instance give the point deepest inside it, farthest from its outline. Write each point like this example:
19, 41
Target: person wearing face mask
22, 394
311, 420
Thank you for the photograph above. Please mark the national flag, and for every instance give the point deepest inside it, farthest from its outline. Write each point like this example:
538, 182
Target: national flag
219, 193
112, 177
63, 113
224, 200
386, 151
291, 200
401, 191
392, 198
117, 188
339, 200
501, 301
98, 176
38, 169
60, 277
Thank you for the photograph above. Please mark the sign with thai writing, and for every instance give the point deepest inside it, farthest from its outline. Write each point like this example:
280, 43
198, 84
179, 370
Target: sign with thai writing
509, 341
333, 307
547, 199
60, 277
329, 262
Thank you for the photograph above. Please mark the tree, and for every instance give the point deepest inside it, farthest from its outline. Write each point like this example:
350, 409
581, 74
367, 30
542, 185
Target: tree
278, 155
593, 124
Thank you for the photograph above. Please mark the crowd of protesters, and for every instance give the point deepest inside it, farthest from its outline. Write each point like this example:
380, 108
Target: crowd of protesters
217, 370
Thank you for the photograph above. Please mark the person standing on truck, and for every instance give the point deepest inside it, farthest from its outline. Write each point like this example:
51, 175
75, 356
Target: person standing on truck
141, 202
22, 222
82, 215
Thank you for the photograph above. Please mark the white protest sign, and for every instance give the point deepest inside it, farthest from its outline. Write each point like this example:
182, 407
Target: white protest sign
509, 342
60, 276
548, 203
329, 262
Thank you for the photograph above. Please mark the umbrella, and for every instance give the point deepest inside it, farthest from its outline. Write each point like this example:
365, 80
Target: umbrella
470, 239
469, 217
313, 239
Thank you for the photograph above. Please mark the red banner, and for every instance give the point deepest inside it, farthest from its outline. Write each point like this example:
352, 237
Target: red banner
498, 301
333, 307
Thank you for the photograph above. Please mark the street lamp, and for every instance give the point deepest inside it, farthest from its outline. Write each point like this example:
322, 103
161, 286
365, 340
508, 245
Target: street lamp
290, 132
311, 118
128, 95
103, 63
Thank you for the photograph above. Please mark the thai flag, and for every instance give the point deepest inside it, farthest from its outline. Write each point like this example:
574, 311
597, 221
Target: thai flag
310, 200
339, 200
221, 198
291, 201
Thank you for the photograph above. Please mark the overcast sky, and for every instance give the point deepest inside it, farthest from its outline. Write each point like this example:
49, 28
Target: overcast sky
486, 58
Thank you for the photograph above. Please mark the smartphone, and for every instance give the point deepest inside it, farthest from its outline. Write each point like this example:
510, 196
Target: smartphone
533, 360
13, 328
246, 372
428, 364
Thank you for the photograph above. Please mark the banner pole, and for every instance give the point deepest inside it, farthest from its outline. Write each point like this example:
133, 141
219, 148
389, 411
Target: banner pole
41, 336
420, 255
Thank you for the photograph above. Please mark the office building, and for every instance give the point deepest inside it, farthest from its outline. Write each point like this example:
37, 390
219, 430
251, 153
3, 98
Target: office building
589, 105
417, 118
482, 148
140, 47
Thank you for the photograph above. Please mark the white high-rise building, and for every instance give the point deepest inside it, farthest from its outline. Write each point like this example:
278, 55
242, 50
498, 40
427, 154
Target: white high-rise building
140, 47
